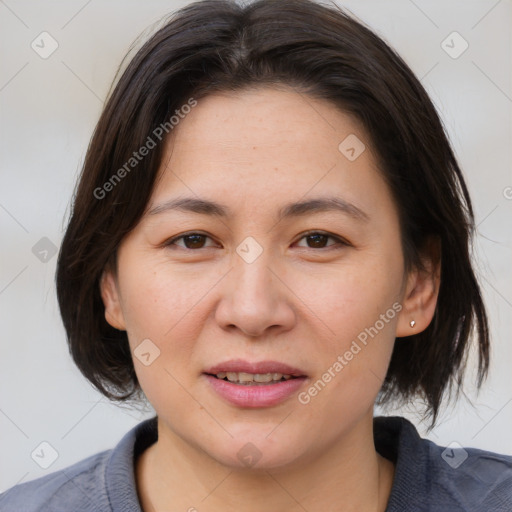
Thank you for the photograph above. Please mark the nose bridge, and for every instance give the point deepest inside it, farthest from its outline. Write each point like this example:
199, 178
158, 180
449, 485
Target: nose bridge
255, 299
252, 272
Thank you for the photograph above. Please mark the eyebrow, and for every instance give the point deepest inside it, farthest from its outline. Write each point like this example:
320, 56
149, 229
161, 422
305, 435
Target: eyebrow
316, 205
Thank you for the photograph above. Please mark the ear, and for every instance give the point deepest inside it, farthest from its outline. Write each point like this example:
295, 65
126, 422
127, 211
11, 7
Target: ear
421, 292
110, 295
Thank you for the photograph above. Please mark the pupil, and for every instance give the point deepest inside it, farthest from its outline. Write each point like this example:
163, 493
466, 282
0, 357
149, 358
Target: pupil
316, 239
197, 239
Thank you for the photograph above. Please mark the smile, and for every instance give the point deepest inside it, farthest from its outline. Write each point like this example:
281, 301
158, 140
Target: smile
253, 379
251, 393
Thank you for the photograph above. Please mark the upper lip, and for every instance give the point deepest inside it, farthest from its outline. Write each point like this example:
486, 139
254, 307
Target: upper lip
240, 365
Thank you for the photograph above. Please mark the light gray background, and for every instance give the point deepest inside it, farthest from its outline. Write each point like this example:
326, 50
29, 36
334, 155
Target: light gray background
49, 108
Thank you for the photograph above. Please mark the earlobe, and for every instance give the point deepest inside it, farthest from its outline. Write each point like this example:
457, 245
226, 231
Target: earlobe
420, 298
110, 296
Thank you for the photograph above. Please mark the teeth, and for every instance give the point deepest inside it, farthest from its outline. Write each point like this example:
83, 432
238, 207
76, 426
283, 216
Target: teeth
244, 377
251, 378
265, 377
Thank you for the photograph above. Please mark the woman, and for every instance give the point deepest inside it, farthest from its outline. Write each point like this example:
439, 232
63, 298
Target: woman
271, 234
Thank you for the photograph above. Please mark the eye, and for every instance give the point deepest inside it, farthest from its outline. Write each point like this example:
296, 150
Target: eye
318, 239
190, 240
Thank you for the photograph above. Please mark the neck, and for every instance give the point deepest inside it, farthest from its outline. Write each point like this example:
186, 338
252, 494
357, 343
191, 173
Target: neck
350, 475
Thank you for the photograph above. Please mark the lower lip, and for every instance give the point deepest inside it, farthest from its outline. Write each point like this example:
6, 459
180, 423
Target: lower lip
255, 395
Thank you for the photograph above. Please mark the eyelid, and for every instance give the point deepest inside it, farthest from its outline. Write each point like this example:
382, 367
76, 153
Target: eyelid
171, 241
340, 241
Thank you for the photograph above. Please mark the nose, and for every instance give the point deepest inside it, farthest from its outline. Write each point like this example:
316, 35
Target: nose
256, 299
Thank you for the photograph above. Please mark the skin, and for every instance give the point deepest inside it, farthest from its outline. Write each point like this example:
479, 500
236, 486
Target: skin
299, 302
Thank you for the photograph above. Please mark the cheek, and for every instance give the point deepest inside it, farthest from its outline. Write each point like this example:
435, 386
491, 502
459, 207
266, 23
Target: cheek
169, 307
360, 307
161, 305
354, 361
350, 298
159, 299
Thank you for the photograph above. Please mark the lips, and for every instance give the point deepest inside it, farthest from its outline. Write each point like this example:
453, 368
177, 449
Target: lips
240, 365
249, 393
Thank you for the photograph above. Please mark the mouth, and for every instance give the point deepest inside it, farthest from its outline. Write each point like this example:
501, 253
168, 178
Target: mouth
263, 384
253, 379
247, 373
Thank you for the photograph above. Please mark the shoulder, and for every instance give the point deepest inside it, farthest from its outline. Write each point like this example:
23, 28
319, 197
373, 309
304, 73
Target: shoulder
78, 487
440, 478
476, 479
104, 482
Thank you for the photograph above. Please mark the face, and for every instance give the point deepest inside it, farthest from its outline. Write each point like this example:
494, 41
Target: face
320, 290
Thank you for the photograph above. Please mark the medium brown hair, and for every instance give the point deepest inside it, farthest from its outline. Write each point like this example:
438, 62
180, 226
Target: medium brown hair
218, 45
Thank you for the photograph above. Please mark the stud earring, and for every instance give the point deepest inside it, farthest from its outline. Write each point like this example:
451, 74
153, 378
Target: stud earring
412, 323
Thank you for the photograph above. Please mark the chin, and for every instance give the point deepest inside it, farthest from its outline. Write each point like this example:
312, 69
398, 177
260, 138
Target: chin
252, 450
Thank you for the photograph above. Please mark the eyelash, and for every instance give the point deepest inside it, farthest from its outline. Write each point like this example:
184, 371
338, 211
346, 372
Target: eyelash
340, 241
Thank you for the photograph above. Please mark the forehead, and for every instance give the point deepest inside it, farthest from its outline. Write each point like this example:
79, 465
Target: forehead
276, 119
263, 145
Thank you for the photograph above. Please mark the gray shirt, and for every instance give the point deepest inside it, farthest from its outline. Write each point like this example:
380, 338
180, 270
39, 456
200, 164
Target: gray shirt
428, 477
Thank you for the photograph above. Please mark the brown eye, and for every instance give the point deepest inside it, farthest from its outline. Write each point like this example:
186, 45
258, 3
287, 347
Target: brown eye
194, 241
190, 241
318, 240
314, 240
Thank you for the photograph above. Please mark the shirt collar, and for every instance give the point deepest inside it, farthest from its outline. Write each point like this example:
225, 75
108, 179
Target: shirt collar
395, 438
120, 469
